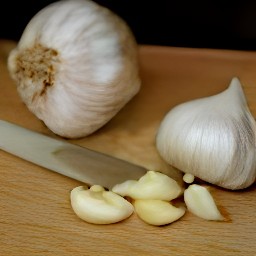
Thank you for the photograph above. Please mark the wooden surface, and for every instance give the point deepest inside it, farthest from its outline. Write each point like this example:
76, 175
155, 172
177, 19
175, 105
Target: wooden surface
35, 213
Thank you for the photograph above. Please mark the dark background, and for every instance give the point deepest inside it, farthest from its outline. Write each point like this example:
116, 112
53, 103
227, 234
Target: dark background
195, 23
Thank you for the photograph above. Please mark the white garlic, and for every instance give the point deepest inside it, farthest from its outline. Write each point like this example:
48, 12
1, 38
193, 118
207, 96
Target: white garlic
152, 185
157, 212
75, 66
212, 138
97, 206
200, 202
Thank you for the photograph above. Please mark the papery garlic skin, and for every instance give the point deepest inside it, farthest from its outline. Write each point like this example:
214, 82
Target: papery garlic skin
97, 206
200, 202
157, 212
212, 138
75, 66
152, 185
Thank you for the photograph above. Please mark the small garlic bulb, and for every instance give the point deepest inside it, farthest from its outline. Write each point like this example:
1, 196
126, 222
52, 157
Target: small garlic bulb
212, 138
75, 66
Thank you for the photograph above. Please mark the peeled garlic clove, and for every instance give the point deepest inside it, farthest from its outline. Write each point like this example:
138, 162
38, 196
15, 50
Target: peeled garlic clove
200, 202
97, 206
157, 212
75, 66
123, 189
152, 185
188, 178
212, 138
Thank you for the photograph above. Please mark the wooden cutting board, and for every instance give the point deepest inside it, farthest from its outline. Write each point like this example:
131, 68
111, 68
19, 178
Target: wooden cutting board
35, 213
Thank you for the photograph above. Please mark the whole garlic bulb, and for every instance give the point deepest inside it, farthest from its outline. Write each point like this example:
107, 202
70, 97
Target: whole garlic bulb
213, 138
75, 66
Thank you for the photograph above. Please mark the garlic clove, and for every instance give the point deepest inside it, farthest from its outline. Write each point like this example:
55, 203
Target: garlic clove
157, 212
200, 202
75, 66
123, 189
212, 138
98, 206
152, 185
188, 178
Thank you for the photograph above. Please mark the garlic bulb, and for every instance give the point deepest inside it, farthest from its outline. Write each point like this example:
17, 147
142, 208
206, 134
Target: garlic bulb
212, 138
75, 66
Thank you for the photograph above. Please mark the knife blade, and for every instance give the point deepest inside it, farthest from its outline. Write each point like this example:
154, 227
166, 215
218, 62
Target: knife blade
65, 158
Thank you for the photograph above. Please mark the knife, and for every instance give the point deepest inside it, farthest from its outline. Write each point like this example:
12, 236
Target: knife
68, 159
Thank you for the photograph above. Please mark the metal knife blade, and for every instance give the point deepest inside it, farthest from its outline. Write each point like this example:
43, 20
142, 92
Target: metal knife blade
68, 159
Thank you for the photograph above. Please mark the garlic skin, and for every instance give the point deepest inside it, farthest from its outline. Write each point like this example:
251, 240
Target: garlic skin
152, 185
75, 66
200, 202
212, 138
97, 206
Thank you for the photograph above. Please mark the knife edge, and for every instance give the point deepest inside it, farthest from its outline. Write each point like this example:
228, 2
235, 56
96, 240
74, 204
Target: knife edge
74, 161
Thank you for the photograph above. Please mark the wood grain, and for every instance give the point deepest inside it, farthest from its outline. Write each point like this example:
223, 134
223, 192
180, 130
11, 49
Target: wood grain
35, 213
